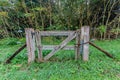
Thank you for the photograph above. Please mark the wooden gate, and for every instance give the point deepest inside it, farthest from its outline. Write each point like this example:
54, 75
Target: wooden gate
33, 40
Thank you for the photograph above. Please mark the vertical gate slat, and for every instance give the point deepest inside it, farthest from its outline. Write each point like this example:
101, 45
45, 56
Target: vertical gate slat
39, 45
30, 41
77, 46
86, 46
82, 40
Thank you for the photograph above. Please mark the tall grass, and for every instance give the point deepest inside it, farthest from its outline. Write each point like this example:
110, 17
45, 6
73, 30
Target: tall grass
62, 65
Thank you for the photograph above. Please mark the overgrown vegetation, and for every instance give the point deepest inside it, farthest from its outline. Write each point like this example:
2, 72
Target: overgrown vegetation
61, 66
102, 16
15, 15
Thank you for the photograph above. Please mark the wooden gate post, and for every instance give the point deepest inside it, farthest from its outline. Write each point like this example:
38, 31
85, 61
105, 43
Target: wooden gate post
39, 45
30, 41
86, 46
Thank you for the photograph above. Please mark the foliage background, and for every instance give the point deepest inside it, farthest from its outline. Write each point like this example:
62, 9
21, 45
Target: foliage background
15, 15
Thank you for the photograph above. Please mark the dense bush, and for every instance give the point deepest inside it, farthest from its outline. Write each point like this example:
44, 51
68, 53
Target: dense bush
15, 15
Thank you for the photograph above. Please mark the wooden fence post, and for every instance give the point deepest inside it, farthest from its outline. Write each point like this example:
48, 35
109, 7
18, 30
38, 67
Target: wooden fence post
86, 46
77, 46
39, 46
30, 41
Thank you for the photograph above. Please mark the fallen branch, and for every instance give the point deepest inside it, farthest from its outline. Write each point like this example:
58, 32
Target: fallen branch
18, 51
105, 52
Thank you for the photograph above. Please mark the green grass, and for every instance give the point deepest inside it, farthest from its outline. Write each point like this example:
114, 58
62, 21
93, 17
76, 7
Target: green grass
62, 65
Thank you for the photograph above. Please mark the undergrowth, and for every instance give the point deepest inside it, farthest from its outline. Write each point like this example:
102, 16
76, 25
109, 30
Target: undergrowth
62, 65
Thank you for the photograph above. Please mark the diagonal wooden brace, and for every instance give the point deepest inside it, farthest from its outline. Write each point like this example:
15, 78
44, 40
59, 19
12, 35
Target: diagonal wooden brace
62, 45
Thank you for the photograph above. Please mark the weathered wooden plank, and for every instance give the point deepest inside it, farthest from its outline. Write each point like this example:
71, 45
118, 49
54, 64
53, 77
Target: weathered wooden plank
16, 52
82, 40
105, 52
63, 44
86, 46
39, 46
30, 41
51, 47
56, 33
77, 50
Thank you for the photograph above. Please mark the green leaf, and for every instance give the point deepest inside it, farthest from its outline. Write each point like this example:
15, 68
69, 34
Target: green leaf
4, 14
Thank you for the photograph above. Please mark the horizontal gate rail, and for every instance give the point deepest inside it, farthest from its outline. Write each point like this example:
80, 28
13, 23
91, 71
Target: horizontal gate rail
51, 47
56, 33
